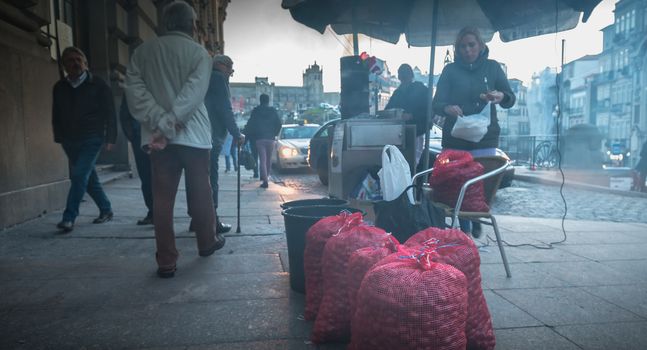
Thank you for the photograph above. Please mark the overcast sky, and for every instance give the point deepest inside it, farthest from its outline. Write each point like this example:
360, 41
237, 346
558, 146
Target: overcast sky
264, 40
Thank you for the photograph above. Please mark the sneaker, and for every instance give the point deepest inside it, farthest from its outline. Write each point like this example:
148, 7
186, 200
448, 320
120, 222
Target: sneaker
65, 226
264, 185
148, 220
104, 217
220, 242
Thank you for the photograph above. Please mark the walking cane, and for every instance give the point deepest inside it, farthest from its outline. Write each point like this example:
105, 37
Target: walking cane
238, 189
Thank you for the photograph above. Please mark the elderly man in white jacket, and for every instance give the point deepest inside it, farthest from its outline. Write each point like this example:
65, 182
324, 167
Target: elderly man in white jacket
166, 83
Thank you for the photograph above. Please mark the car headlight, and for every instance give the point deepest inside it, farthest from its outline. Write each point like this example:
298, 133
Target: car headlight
288, 151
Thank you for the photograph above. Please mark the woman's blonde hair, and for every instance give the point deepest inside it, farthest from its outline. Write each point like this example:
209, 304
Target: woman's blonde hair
468, 31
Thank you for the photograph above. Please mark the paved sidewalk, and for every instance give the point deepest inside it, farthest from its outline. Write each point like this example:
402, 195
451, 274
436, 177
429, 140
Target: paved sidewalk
96, 287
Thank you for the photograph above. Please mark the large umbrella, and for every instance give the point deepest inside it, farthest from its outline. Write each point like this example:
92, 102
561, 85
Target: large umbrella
436, 22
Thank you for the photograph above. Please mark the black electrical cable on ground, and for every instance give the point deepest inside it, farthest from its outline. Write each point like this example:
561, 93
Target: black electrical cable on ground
558, 121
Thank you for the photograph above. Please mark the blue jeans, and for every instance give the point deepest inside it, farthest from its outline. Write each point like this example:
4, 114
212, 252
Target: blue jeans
83, 155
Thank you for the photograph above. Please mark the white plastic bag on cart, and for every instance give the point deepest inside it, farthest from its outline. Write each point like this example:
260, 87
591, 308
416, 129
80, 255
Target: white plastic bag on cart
395, 175
472, 127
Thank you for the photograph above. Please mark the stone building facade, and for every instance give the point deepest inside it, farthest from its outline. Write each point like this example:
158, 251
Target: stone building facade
609, 90
33, 169
288, 100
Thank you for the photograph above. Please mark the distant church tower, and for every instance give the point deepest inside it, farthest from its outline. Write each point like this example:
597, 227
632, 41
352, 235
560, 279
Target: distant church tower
313, 85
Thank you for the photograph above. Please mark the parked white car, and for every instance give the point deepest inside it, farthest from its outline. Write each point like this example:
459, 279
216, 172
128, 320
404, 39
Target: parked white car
292, 146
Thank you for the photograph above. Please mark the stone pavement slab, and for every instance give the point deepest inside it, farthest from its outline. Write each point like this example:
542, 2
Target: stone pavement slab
566, 305
629, 297
536, 338
506, 314
617, 336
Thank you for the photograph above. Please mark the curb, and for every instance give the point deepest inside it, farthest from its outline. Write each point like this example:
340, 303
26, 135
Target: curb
578, 185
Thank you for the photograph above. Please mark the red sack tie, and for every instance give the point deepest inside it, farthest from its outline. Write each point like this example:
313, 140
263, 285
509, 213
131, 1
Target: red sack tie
456, 249
408, 301
316, 239
333, 318
452, 169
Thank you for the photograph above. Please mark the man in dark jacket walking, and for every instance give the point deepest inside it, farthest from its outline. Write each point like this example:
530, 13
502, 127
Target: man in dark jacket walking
221, 116
263, 126
83, 119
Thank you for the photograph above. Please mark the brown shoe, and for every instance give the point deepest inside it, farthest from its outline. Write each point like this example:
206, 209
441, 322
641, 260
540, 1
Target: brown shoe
220, 242
170, 273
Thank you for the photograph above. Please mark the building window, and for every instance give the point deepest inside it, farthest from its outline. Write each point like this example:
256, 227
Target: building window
632, 21
62, 26
603, 92
617, 24
626, 58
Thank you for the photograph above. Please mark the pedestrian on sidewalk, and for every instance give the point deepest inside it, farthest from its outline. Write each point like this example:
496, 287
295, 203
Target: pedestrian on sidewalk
132, 130
641, 169
230, 151
221, 115
465, 87
264, 125
166, 82
411, 96
83, 120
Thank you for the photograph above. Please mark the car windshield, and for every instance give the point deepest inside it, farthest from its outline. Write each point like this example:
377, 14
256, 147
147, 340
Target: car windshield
297, 132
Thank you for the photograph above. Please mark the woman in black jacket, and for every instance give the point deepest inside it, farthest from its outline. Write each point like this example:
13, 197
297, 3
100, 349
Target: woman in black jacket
465, 87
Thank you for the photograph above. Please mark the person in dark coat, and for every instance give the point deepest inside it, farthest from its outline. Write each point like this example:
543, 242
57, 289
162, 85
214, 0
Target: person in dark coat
464, 88
83, 120
411, 96
132, 130
221, 115
641, 169
263, 126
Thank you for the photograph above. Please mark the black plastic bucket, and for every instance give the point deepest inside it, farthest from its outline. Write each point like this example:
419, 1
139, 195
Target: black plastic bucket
331, 202
298, 221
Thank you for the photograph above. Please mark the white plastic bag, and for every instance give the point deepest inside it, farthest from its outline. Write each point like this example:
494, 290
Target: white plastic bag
472, 127
395, 175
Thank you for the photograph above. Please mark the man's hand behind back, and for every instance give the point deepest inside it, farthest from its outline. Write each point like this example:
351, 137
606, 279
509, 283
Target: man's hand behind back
241, 139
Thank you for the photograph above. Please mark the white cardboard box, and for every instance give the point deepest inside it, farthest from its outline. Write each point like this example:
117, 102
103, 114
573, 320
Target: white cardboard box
620, 183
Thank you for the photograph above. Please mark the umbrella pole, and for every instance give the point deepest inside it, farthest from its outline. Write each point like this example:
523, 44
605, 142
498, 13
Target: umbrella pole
354, 20
238, 188
432, 58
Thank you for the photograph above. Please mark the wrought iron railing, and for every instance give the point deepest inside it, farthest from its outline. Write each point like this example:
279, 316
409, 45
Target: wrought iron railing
536, 151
